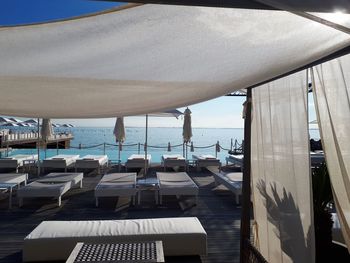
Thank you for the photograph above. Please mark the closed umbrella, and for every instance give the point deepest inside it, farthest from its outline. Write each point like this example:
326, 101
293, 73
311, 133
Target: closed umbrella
187, 128
46, 131
119, 132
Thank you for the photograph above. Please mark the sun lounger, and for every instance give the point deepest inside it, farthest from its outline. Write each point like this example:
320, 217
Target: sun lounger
176, 184
9, 181
63, 161
53, 185
13, 178
233, 181
92, 162
17, 161
316, 158
236, 160
116, 184
173, 160
55, 240
137, 161
206, 160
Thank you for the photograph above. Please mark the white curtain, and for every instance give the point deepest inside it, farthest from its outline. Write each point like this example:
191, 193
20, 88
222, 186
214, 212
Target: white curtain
332, 100
281, 183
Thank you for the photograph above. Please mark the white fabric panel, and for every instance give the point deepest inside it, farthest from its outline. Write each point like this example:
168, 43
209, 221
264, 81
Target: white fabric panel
150, 58
281, 183
331, 93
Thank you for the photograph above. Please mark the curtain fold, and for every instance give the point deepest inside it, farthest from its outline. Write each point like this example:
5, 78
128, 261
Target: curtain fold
332, 102
281, 183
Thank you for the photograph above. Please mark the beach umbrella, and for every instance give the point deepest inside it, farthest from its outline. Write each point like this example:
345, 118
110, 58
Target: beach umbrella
187, 128
119, 133
46, 131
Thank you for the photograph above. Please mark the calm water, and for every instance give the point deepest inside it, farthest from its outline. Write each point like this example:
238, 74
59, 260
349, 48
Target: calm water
158, 137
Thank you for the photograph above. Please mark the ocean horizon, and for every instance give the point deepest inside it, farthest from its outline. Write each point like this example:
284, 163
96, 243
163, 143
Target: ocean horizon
100, 140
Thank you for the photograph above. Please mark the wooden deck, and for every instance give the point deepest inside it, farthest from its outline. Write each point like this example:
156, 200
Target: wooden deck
216, 210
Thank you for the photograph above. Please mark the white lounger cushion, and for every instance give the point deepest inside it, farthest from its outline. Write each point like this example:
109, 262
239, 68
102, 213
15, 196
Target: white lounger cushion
206, 160
176, 184
172, 160
16, 160
91, 161
54, 240
37, 189
233, 181
117, 184
137, 160
60, 161
13, 178
74, 178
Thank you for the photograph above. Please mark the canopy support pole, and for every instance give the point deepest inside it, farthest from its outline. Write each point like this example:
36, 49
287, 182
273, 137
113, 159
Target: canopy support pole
245, 214
146, 161
38, 147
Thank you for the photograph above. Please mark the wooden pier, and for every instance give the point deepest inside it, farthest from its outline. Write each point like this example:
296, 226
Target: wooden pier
215, 209
30, 141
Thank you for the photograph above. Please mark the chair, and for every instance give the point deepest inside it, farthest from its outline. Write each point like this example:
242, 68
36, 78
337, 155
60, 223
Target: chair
64, 161
137, 161
177, 184
173, 160
206, 160
233, 181
14, 178
236, 159
52, 185
92, 162
17, 161
116, 185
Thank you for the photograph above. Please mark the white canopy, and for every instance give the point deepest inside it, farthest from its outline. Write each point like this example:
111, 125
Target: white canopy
150, 58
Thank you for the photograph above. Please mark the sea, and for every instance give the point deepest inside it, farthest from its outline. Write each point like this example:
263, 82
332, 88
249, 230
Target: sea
100, 141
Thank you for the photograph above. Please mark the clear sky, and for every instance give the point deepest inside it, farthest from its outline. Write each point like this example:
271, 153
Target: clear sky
224, 112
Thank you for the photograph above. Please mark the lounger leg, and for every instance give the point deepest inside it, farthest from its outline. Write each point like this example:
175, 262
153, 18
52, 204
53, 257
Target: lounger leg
10, 198
65, 169
96, 201
156, 193
81, 184
20, 202
160, 199
59, 201
138, 197
75, 169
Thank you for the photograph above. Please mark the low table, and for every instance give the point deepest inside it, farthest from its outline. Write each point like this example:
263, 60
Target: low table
8, 187
147, 251
148, 184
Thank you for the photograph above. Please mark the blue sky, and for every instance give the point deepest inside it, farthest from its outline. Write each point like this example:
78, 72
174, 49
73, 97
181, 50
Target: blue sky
224, 112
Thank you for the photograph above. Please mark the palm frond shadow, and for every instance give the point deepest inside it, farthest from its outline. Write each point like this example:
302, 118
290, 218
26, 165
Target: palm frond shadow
284, 214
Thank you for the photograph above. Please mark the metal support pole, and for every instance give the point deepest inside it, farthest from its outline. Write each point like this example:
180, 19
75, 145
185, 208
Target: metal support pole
146, 161
104, 148
57, 146
245, 215
38, 147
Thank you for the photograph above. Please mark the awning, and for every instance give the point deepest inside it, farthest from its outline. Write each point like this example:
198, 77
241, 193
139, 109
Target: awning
151, 58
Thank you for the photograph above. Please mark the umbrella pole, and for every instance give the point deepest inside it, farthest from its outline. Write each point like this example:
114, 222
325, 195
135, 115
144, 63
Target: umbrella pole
245, 215
146, 161
118, 156
38, 147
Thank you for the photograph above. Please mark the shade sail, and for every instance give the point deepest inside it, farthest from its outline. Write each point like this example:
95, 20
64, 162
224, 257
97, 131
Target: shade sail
150, 58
